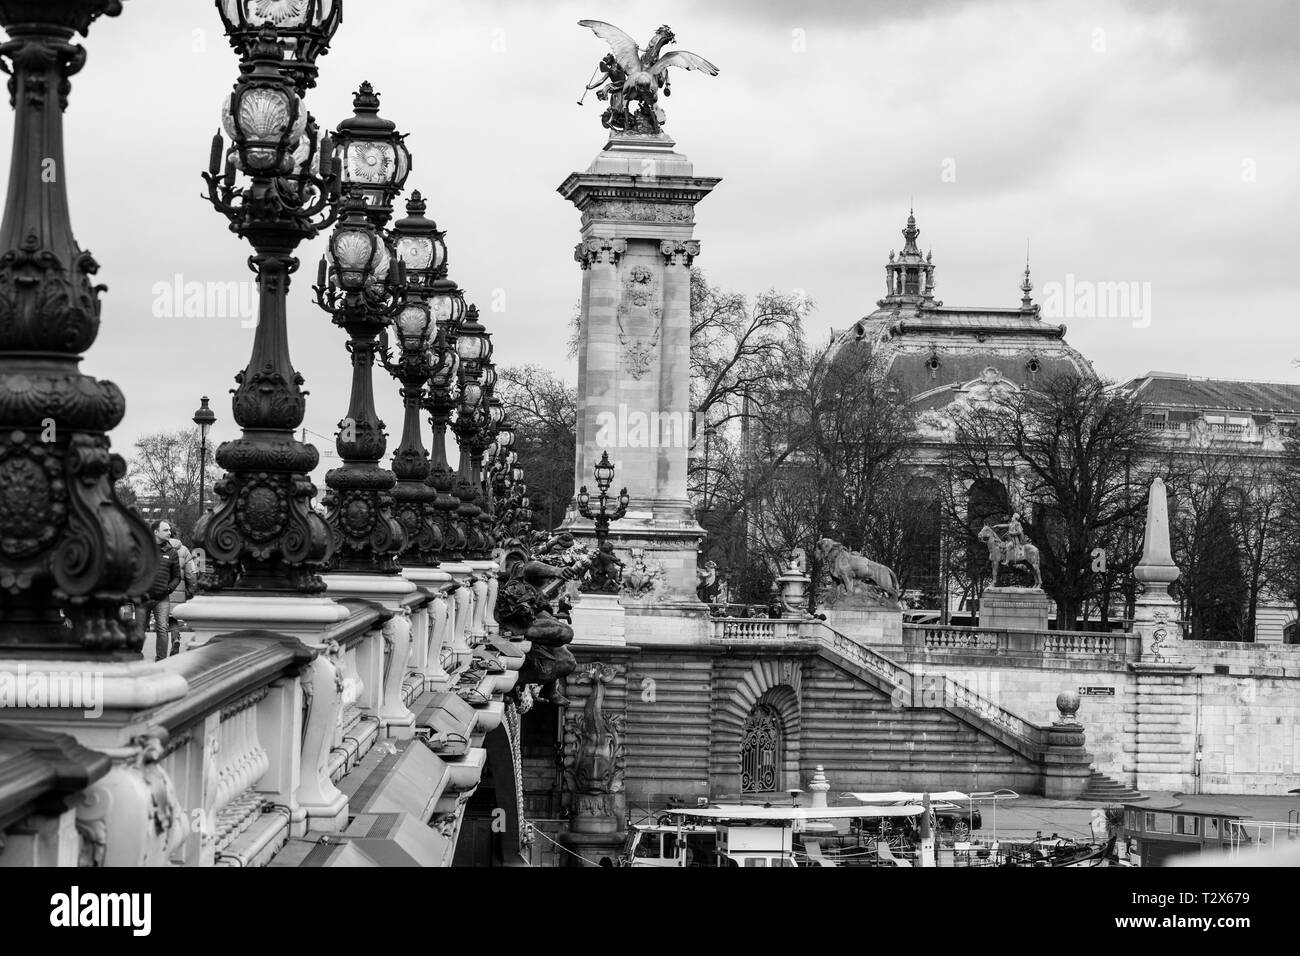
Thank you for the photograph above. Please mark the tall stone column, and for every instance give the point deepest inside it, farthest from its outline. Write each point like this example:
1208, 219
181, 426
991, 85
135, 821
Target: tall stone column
637, 201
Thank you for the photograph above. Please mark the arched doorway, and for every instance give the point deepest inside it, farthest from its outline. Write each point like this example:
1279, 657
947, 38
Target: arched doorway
760, 750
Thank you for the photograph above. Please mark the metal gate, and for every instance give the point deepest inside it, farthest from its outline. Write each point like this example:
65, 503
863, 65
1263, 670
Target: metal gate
760, 746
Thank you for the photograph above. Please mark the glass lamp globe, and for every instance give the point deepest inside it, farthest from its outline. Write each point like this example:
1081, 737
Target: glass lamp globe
373, 156
356, 254
413, 325
604, 471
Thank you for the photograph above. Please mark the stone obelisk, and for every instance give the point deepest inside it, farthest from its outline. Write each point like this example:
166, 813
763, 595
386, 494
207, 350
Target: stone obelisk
1163, 700
637, 200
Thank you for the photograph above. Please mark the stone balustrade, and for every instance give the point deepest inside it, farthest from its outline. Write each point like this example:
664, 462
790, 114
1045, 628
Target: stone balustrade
233, 749
1113, 647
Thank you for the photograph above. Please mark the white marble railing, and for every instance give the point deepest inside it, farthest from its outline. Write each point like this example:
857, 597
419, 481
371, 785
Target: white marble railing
255, 728
1117, 647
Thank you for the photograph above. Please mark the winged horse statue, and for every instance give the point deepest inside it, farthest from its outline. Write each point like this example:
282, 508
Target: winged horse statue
631, 75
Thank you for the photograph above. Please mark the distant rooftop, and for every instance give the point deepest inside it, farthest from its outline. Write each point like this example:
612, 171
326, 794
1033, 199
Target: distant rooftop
1188, 391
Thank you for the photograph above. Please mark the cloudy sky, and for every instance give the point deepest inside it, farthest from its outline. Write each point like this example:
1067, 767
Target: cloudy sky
1141, 142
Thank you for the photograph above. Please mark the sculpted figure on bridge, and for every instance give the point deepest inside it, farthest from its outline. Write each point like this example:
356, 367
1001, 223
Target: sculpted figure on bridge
630, 76
525, 608
858, 574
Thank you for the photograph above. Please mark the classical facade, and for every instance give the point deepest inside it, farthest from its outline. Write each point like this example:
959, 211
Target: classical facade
944, 357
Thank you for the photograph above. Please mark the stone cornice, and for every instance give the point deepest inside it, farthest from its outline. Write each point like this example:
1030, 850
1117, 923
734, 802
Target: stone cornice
583, 188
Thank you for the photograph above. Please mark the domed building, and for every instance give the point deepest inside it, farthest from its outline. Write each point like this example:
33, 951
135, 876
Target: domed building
939, 354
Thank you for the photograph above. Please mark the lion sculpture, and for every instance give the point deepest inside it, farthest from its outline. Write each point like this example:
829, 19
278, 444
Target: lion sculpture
848, 569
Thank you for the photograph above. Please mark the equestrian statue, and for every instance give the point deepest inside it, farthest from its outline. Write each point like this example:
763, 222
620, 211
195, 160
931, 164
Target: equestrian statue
1012, 549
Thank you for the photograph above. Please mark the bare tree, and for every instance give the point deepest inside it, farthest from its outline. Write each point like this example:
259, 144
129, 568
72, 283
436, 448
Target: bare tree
1282, 564
164, 477
1071, 444
830, 463
544, 410
1230, 511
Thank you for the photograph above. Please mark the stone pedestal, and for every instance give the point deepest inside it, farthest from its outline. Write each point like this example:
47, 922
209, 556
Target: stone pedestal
598, 620
794, 587
593, 847
597, 827
1066, 764
388, 590
1014, 609
1155, 622
1164, 704
819, 788
637, 200
305, 618
438, 619
866, 624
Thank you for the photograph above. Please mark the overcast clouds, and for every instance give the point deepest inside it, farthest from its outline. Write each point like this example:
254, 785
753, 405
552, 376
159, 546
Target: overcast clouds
1123, 163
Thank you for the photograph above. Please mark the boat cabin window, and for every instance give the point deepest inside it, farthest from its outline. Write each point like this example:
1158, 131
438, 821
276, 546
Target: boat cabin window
1212, 828
755, 861
1159, 823
670, 846
1189, 826
648, 846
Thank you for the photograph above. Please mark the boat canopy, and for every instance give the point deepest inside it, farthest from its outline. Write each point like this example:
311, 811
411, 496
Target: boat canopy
903, 796
947, 796
745, 812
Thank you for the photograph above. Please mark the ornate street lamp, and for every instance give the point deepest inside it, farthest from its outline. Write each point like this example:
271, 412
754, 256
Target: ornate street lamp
601, 577
474, 431
305, 28
264, 534
70, 553
204, 417
362, 288
419, 246
439, 403
373, 155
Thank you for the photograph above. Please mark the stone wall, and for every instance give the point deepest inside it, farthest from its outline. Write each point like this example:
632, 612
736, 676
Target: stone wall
1247, 719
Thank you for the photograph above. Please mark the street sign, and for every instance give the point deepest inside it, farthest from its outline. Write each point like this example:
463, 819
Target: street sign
1096, 691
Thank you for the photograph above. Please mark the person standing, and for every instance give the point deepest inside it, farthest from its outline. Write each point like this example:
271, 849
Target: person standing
185, 589
158, 606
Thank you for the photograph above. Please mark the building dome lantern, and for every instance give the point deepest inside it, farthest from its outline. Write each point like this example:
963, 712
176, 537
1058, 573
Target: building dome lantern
909, 275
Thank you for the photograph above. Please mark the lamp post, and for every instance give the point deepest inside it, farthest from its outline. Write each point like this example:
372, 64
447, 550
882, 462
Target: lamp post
605, 572
361, 284
204, 418
420, 246
264, 534
473, 347
70, 553
603, 515
439, 403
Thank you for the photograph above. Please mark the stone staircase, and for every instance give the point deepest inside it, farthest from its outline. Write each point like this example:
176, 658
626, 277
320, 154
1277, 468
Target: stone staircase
1104, 789
1003, 739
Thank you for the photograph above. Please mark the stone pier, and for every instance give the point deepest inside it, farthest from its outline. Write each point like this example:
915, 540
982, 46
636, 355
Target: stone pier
637, 201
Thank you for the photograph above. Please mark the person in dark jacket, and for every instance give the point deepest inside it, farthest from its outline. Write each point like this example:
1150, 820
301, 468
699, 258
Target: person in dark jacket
158, 605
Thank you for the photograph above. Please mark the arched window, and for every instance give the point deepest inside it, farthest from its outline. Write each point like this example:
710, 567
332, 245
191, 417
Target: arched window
921, 536
987, 502
760, 750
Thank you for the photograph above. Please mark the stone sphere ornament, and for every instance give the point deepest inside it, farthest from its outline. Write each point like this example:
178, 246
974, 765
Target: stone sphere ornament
1067, 702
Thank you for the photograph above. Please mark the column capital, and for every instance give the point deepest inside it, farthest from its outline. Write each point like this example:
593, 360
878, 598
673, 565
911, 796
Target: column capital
599, 249
679, 252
